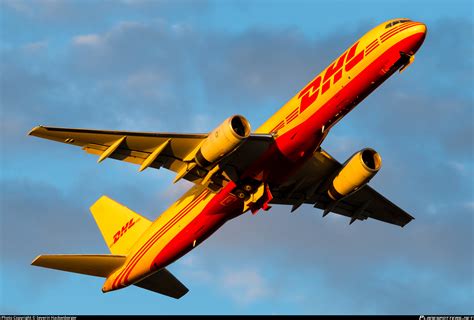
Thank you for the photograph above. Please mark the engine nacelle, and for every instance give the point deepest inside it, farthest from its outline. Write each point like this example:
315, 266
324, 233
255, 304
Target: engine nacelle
222, 140
356, 173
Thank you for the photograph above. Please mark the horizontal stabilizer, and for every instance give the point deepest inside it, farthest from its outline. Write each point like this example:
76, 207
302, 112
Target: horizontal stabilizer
165, 283
99, 265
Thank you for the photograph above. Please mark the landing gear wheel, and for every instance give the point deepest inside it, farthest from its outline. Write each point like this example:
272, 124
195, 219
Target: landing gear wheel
240, 194
248, 188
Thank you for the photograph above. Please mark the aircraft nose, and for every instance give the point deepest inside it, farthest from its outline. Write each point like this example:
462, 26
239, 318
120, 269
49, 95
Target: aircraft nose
420, 28
418, 34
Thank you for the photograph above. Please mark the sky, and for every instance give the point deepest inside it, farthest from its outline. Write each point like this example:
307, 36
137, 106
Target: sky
184, 66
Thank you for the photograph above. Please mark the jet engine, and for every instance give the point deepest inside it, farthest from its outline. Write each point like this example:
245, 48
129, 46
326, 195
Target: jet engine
222, 140
355, 173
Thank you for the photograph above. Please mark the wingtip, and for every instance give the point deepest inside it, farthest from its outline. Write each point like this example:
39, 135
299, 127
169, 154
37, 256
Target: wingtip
411, 219
35, 260
181, 294
34, 130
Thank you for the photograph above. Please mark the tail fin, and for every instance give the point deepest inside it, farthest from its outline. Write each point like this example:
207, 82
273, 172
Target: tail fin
99, 265
120, 226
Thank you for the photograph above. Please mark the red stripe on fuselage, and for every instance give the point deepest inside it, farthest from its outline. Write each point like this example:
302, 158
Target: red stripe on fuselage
280, 161
150, 242
369, 50
166, 228
292, 116
373, 43
388, 36
211, 218
278, 127
397, 28
295, 146
139, 253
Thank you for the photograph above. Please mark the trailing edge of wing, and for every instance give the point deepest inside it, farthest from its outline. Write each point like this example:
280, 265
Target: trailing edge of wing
305, 187
173, 151
146, 149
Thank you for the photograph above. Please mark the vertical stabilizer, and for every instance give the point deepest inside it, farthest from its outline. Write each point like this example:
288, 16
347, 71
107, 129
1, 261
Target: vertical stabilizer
120, 226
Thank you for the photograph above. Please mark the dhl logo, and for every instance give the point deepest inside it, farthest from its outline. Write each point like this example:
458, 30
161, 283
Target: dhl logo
124, 229
347, 61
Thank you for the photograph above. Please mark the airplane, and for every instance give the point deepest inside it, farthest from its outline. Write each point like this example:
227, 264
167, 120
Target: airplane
235, 170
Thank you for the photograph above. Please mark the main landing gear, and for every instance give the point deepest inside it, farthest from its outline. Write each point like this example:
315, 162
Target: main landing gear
255, 194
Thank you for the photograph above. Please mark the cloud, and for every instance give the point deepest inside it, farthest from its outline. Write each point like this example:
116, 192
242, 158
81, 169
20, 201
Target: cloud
18, 5
244, 286
159, 75
35, 47
243, 283
88, 39
37, 217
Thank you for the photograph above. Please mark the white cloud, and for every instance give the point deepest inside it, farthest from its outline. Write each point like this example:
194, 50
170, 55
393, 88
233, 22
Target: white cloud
133, 2
87, 39
188, 261
469, 205
458, 166
144, 83
200, 275
244, 286
201, 123
34, 47
24, 7
181, 28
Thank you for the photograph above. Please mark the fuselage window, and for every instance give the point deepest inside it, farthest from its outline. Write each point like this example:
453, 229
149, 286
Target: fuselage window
391, 24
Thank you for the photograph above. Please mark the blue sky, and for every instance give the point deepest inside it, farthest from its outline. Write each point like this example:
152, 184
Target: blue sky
185, 66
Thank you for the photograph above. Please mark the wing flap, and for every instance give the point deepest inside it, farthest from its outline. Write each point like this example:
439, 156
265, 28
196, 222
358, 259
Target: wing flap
172, 151
135, 157
136, 147
163, 282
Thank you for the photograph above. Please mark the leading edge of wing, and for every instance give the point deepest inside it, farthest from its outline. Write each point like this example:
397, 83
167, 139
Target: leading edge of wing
309, 186
173, 151
40, 131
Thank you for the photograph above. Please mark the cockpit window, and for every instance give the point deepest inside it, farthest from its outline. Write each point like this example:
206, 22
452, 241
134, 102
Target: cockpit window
391, 24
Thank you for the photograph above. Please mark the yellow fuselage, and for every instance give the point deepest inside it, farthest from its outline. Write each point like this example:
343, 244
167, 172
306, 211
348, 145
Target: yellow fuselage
299, 127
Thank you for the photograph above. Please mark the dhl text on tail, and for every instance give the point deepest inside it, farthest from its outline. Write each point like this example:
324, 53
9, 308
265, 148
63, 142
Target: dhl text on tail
235, 170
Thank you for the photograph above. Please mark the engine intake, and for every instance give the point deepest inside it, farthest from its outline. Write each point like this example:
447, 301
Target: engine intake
222, 140
355, 173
